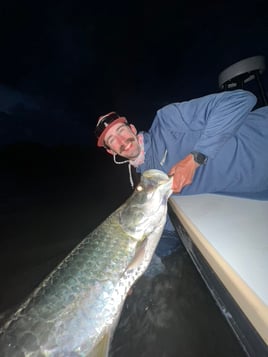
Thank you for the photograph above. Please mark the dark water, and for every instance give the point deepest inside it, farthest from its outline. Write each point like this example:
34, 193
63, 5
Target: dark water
172, 314
43, 216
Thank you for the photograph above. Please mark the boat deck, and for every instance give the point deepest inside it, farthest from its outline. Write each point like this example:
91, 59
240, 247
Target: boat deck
227, 238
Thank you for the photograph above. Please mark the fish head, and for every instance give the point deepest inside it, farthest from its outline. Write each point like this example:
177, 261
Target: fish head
147, 207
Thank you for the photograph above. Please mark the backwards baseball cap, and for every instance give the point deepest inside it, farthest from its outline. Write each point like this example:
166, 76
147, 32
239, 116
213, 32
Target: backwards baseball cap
105, 122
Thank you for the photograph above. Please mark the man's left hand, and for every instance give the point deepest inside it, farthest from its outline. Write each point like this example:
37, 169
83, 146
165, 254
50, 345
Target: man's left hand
183, 173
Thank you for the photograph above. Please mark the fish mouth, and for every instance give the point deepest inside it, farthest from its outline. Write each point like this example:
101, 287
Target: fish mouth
167, 185
147, 204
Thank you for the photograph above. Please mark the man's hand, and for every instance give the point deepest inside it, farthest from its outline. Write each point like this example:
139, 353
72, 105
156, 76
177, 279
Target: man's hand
183, 173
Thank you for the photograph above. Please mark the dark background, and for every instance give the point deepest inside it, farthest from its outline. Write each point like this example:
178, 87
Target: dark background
64, 63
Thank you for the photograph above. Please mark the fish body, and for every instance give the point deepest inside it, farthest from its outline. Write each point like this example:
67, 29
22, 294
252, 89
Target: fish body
75, 310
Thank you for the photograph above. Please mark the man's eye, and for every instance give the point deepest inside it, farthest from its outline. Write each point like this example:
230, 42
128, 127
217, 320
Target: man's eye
110, 141
123, 129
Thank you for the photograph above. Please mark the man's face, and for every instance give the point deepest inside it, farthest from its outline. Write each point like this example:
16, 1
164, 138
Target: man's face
121, 139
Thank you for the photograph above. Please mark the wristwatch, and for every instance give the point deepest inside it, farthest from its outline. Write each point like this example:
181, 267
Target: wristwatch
200, 158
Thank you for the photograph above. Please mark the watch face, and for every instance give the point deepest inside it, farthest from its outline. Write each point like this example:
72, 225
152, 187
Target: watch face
200, 158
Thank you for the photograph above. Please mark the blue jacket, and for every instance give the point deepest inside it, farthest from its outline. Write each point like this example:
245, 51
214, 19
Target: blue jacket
221, 126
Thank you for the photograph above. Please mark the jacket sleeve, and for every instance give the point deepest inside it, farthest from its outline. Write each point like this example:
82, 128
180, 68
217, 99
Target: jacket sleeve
217, 117
225, 115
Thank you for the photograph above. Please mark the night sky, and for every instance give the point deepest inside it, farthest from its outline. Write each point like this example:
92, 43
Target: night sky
64, 63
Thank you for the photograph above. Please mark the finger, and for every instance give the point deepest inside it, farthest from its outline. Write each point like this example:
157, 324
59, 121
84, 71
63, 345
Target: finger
171, 172
177, 186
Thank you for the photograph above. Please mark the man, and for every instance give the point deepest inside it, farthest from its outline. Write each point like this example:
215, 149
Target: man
210, 144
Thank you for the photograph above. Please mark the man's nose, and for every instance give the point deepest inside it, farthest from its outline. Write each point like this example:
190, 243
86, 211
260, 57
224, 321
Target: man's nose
120, 139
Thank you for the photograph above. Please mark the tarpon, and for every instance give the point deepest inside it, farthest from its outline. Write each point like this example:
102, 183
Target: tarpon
75, 310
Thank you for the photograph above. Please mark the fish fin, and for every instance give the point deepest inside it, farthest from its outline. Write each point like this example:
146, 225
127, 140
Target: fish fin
102, 347
138, 257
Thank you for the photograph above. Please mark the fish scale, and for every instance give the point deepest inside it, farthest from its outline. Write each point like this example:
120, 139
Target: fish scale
75, 310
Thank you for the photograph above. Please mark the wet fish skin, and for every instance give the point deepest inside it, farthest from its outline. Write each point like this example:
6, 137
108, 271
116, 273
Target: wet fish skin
75, 309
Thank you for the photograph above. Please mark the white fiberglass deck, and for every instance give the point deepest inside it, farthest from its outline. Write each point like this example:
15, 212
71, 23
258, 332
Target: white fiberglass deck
232, 235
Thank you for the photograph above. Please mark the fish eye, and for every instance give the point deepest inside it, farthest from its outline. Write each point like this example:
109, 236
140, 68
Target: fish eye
139, 188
